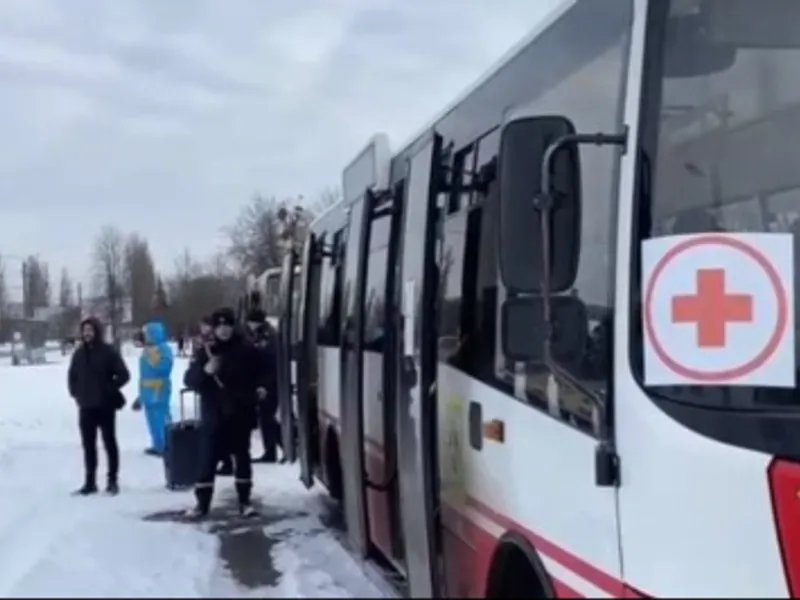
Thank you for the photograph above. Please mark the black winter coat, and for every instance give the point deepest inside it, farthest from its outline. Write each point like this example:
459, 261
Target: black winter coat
232, 392
268, 365
96, 375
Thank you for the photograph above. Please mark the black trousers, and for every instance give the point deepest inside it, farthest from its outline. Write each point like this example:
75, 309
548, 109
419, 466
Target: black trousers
104, 420
224, 448
226, 433
269, 427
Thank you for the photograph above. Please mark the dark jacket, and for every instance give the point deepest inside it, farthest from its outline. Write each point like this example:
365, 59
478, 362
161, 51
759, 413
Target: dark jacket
232, 393
265, 342
97, 373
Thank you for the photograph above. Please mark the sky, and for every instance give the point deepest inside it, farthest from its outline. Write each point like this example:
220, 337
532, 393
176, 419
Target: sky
164, 117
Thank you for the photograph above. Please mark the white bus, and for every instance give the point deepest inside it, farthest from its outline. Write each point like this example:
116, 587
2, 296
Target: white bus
474, 382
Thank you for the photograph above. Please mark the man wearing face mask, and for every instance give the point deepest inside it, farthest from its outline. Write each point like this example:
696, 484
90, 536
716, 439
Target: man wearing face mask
263, 338
227, 376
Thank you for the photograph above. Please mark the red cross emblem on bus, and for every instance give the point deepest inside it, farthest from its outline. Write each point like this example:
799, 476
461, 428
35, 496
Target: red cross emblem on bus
712, 308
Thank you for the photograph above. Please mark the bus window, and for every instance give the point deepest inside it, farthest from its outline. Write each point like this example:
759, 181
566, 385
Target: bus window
592, 96
331, 292
375, 303
701, 132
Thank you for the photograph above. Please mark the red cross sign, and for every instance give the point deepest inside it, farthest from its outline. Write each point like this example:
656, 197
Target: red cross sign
711, 309
718, 309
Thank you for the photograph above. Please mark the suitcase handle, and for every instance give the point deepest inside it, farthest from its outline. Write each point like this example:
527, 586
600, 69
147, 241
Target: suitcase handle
185, 391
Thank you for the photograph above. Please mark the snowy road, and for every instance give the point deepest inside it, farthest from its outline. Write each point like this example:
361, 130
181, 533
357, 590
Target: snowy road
56, 545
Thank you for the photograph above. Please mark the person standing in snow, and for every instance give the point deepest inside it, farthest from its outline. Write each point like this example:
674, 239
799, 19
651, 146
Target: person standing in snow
226, 374
155, 385
263, 338
95, 379
202, 342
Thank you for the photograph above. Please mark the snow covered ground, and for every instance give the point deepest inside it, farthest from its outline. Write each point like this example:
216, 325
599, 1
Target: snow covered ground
53, 544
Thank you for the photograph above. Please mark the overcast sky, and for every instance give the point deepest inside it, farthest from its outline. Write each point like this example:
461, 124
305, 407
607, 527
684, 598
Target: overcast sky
164, 116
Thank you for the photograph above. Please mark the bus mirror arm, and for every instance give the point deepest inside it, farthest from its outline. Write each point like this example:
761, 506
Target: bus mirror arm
606, 458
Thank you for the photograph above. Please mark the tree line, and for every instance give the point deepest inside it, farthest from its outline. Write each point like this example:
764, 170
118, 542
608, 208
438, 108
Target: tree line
127, 288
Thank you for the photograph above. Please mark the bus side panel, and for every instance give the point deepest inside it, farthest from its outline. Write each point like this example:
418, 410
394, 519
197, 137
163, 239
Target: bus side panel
538, 482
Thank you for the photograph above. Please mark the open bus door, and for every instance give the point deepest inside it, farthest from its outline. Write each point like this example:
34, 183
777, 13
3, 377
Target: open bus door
372, 490
417, 419
305, 360
285, 355
352, 375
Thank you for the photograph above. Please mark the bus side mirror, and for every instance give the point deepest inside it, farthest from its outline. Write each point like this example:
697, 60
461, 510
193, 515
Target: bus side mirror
524, 148
524, 330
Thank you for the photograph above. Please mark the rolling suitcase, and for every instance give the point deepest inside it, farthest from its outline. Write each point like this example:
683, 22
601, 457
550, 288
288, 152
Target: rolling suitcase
183, 447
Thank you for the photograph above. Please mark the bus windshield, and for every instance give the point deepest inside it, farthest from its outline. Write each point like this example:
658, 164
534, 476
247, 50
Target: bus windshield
723, 125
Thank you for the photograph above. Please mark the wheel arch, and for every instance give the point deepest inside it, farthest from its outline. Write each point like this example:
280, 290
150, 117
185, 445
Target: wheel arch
511, 548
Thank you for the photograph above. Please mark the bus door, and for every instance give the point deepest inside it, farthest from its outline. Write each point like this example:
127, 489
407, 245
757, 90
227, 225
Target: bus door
379, 373
305, 359
416, 378
351, 379
285, 354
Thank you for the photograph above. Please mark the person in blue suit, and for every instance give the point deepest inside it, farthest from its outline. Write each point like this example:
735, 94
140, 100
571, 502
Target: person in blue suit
155, 384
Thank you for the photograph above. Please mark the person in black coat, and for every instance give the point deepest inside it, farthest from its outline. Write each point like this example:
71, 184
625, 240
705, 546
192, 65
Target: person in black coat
263, 338
225, 373
95, 379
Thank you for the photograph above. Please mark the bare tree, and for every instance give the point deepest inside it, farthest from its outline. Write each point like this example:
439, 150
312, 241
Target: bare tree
36, 285
255, 236
108, 260
66, 297
196, 289
327, 198
3, 288
140, 278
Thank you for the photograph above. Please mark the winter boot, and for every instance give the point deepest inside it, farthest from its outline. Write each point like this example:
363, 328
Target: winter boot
202, 506
89, 487
243, 491
196, 513
112, 487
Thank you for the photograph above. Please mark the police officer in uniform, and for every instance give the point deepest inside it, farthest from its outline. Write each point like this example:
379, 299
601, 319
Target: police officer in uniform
226, 373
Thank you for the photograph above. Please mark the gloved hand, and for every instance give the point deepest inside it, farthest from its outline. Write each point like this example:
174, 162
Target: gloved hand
137, 405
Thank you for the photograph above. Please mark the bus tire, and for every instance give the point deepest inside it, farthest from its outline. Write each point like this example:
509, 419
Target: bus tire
516, 571
333, 466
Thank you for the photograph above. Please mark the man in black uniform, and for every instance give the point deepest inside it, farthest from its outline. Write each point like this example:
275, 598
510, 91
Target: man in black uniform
96, 375
226, 374
263, 338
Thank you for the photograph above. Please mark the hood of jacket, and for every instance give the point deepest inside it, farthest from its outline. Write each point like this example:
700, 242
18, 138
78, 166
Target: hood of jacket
99, 330
155, 333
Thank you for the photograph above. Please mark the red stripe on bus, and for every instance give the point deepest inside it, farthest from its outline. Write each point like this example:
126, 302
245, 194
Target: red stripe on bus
600, 579
577, 565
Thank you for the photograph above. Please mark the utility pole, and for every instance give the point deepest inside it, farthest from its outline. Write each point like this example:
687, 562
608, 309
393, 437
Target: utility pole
26, 292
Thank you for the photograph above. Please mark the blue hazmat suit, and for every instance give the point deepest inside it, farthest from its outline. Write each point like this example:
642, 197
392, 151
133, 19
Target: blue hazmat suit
155, 383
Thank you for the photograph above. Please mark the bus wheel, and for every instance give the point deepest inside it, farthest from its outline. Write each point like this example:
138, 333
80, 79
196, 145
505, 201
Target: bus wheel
333, 466
517, 572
